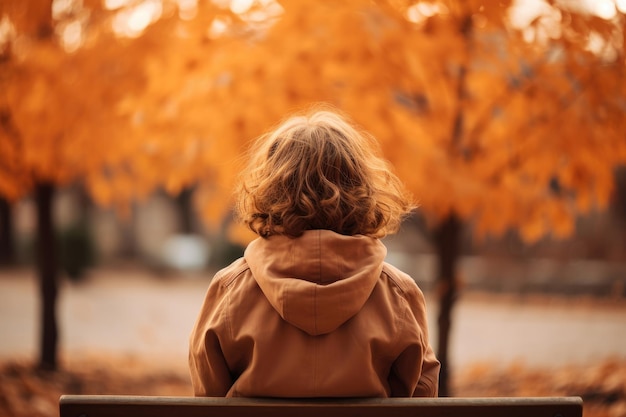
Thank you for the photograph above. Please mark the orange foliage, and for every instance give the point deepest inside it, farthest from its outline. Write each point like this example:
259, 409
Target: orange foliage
507, 125
541, 124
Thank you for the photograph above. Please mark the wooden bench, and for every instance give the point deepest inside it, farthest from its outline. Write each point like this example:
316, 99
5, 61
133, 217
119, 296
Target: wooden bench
142, 406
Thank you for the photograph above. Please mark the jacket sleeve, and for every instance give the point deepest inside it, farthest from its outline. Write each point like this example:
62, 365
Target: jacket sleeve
417, 361
428, 384
210, 376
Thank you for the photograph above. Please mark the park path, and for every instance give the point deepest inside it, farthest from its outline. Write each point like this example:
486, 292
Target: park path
132, 313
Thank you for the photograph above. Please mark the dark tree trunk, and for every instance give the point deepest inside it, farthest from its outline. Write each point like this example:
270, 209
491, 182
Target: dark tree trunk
47, 265
129, 244
447, 243
185, 200
7, 250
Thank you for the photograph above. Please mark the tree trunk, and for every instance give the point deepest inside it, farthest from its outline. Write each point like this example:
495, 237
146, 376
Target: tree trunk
7, 250
184, 201
447, 243
129, 246
47, 265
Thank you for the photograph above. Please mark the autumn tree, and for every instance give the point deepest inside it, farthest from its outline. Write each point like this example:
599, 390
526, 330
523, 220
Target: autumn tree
76, 92
64, 72
16, 178
496, 115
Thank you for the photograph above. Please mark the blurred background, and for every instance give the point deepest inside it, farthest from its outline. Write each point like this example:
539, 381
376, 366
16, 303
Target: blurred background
124, 124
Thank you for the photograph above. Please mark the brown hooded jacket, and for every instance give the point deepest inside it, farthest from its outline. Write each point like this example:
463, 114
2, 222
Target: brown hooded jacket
321, 315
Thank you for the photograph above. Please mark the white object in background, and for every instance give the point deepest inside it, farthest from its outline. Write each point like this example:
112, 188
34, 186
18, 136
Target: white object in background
186, 252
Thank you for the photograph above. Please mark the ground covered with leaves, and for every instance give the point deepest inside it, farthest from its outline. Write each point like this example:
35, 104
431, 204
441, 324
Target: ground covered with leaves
602, 386
26, 391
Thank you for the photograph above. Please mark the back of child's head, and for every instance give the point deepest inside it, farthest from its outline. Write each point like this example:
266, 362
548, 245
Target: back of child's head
318, 171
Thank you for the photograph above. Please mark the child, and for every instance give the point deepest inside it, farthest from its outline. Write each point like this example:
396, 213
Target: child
312, 309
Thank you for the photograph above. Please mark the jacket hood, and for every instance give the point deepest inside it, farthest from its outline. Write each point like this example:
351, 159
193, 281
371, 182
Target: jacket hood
319, 280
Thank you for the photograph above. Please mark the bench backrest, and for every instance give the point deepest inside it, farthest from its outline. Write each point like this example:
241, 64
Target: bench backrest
142, 406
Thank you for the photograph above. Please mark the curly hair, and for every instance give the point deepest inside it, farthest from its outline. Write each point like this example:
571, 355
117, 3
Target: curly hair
318, 171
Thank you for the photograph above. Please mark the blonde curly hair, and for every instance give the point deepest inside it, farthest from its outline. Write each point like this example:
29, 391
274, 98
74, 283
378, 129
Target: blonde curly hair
318, 171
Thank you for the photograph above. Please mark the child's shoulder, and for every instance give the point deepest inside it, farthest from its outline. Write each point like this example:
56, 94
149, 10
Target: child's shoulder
400, 279
227, 275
